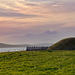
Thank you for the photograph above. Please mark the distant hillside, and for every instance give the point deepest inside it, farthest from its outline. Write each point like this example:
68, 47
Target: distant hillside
2, 45
43, 44
65, 44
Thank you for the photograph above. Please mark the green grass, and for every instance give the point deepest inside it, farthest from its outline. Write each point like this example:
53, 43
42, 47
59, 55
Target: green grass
38, 63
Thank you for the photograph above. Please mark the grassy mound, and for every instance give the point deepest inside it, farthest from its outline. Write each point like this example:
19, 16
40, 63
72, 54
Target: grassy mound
38, 63
65, 44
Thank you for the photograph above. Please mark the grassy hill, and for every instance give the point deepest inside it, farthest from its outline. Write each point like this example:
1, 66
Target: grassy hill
38, 63
65, 44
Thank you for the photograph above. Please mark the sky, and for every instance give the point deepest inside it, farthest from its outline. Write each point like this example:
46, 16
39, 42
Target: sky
36, 21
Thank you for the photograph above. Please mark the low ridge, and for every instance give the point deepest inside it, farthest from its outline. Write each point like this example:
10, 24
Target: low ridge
65, 44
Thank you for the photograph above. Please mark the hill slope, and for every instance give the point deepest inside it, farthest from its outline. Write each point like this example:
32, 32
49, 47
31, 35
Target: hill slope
65, 44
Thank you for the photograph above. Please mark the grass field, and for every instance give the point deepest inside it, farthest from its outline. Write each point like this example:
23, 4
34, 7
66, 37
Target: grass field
38, 63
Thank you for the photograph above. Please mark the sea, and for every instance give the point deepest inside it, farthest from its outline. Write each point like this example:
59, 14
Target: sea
13, 49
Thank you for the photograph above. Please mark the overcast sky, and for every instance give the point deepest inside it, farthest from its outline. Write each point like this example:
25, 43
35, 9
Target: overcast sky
36, 21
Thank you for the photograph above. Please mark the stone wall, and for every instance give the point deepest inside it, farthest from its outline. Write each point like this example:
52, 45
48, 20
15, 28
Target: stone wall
36, 48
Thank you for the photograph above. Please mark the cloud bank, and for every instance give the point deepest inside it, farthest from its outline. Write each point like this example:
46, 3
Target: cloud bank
34, 21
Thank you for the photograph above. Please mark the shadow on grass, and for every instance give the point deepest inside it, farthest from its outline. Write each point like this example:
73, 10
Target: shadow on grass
52, 69
50, 50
